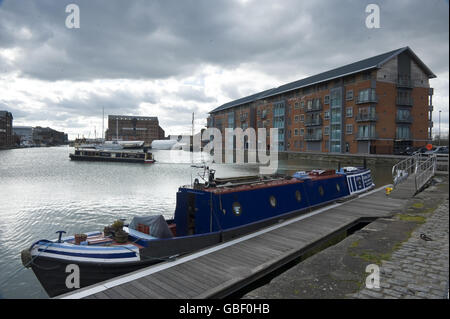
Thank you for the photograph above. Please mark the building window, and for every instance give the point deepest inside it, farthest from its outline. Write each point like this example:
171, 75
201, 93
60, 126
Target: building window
326, 99
302, 104
349, 95
326, 130
365, 76
349, 129
296, 105
296, 132
326, 115
403, 132
302, 131
349, 112
296, 118
302, 117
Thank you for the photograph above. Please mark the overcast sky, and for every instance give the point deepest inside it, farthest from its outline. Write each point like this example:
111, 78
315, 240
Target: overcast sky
171, 58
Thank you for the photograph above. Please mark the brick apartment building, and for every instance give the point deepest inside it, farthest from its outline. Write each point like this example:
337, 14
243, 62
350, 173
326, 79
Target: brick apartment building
6, 132
134, 128
379, 105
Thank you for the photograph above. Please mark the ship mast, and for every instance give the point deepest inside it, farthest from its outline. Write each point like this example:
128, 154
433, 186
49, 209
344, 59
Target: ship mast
103, 125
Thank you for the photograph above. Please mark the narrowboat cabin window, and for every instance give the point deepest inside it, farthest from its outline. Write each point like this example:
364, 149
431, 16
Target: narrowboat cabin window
273, 201
237, 208
321, 191
298, 196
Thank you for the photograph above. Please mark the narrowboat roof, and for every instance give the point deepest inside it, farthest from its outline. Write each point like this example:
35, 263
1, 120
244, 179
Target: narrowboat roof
111, 151
237, 185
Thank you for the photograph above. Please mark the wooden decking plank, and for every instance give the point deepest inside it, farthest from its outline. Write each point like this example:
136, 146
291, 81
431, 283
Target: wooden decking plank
194, 279
197, 269
263, 252
303, 233
203, 265
145, 290
224, 262
166, 290
257, 252
237, 258
262, 240
160, 291
331, 220
125, 292
176, 276
131, 289
280, 238
237, 250
179, 289
113, 293
374, 204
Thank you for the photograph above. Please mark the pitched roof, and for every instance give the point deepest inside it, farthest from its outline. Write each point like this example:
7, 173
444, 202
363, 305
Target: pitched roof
243, 100
366, 64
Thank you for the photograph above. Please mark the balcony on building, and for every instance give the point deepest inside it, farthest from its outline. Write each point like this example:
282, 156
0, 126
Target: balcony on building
278, 122
367, 96
403, 136
405, 101
404, 81
404, 119
313, 121
316, 136
315, 106
366, 136
263, 114
366, 117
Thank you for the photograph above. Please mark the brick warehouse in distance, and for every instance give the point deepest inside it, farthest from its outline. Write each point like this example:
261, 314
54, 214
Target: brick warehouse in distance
134, 128
379, 105
6, 129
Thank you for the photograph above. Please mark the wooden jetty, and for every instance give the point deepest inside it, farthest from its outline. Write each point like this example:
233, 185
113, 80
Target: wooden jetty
223, 269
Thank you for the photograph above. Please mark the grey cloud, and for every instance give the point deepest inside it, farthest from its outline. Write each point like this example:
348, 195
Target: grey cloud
190, 93
160, 39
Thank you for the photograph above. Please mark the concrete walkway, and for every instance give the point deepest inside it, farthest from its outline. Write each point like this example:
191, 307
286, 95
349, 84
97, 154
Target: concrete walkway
410, 267
420, 268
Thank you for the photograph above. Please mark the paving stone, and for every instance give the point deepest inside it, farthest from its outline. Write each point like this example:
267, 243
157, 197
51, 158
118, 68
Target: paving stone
419, 269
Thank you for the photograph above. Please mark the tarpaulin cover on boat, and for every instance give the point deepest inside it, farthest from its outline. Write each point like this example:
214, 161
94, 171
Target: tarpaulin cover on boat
157, 224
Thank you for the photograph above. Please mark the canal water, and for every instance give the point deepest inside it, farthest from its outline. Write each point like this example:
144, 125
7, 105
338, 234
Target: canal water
42, 191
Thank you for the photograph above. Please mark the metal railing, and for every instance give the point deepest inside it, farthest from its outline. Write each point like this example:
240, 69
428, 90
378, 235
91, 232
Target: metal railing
424, 171
402, 170
420, 167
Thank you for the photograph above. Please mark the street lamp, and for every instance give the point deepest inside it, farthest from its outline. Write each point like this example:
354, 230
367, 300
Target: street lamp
440, 127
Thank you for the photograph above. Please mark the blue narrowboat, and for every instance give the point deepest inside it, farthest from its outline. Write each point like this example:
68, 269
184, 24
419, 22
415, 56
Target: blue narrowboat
207, 213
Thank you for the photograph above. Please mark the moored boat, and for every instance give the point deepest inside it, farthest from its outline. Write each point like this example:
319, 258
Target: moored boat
206, 213
110, 155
